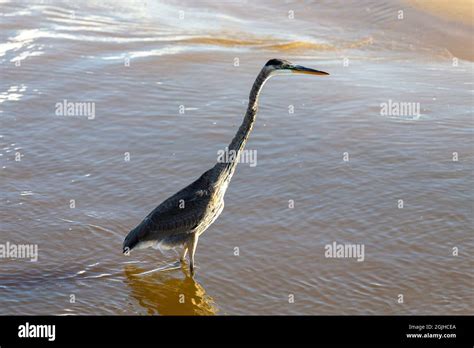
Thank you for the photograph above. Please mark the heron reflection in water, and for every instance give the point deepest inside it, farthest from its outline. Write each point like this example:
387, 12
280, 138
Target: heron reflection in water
182, 218
162, 293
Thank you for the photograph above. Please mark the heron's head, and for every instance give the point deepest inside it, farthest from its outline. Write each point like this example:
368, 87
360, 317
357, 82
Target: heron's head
284, 67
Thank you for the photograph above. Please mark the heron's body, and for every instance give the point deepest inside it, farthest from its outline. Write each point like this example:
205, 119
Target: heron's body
182, 218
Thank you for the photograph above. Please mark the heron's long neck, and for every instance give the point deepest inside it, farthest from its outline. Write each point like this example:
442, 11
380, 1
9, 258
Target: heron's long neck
224, 170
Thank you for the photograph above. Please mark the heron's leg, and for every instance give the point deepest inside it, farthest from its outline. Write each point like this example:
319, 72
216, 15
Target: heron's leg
183, 253
192, 244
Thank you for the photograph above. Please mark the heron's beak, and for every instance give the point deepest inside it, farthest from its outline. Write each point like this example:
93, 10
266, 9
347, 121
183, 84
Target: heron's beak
298, 69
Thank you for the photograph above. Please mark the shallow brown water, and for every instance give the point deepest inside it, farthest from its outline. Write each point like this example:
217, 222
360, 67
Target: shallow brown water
79, 53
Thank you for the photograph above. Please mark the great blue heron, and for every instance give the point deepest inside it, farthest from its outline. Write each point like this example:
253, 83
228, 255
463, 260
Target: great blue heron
182, 218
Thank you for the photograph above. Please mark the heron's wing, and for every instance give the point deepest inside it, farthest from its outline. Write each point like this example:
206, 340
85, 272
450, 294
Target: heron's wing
179, 214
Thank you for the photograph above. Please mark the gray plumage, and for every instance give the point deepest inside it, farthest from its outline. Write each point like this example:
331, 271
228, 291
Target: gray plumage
182, 218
